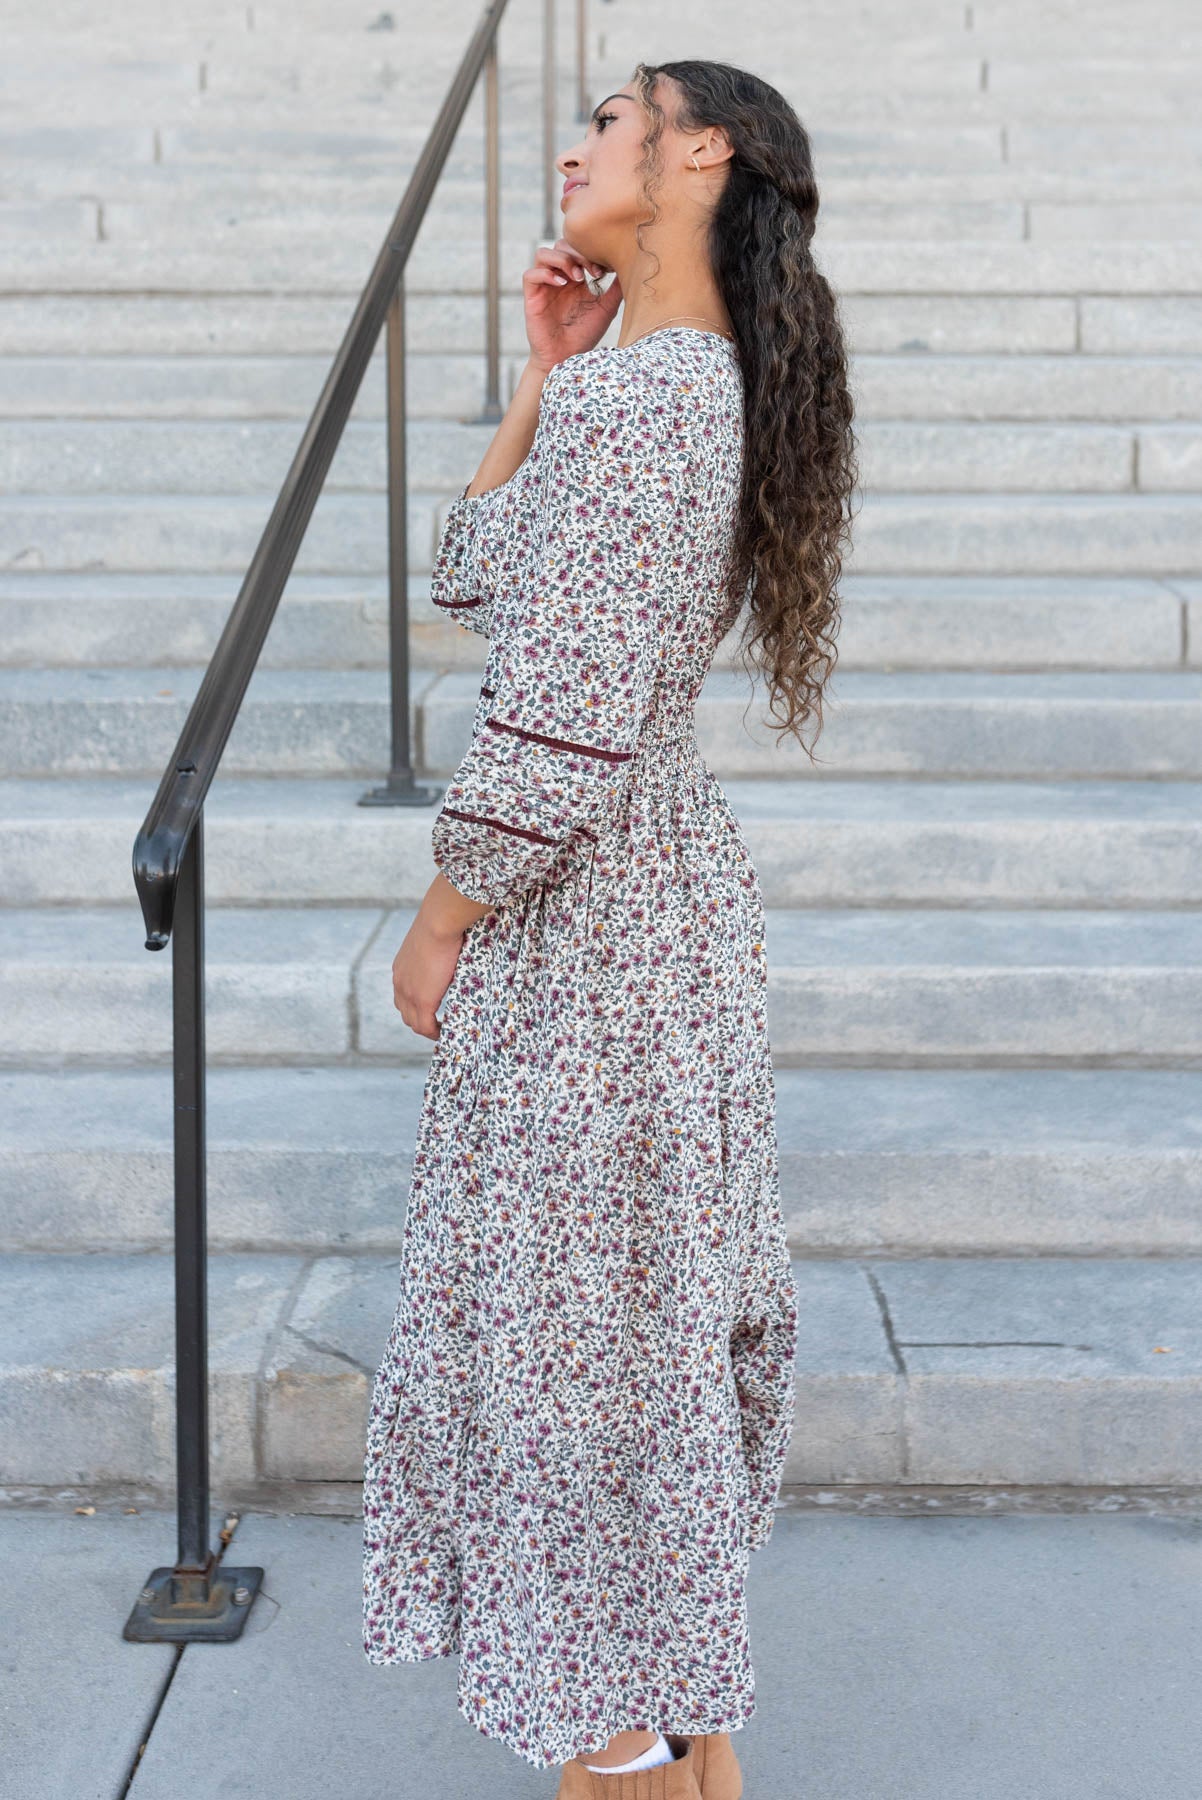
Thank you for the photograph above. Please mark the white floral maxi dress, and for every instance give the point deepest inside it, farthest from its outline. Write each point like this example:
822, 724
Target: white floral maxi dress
578, 1427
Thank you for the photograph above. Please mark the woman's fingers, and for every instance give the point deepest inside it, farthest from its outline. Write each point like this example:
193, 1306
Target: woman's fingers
594, 268
560, 263
553, 269
546, 272
422, 1019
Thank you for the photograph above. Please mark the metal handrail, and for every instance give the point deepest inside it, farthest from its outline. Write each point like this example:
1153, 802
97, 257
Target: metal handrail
201, 1598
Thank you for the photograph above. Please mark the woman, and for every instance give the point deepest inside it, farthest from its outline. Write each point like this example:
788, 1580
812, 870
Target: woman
579, 1424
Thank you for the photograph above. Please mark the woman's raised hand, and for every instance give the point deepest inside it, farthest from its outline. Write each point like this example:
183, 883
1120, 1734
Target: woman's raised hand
563, 314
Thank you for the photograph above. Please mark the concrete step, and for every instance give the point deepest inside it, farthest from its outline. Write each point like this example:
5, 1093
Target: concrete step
863, 987
208, 84
1007, 220
1006, 389
121, 221
167, 456
363, 70
79, 619
268, 324
135, 179
1020, 34
882, 1161
1055, 725
67, 841
1004, 534
1049, 1370
1076, 268
897, 102
1115, 535
904, 95
1003, 220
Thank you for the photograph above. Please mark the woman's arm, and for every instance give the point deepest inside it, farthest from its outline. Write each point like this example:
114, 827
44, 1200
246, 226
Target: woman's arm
558, 325
423, 967
425, 963
444, 910
514, 435
575, 670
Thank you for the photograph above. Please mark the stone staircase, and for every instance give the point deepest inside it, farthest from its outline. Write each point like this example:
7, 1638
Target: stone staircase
984, 931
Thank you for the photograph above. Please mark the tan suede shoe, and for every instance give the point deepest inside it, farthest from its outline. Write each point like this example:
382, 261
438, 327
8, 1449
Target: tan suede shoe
676, 1780
718, 1773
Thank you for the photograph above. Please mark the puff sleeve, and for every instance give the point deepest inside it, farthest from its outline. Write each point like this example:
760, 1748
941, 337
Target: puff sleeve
460, 579
577, 658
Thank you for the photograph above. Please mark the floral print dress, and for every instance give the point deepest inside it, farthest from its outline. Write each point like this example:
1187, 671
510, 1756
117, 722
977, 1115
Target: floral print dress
578, 1426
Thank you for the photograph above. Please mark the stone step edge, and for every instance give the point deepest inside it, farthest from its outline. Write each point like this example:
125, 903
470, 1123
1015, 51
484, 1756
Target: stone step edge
873, 1162
65, 840
294, 1346
860, 987
935, 266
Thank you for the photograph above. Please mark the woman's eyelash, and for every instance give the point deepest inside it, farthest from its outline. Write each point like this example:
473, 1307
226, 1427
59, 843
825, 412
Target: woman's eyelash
598, 117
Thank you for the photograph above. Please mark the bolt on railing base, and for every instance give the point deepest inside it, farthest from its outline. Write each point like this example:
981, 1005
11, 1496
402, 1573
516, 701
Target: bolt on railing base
400, 790
189, 1606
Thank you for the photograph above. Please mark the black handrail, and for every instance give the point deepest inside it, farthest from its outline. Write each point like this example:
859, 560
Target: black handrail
200, 1597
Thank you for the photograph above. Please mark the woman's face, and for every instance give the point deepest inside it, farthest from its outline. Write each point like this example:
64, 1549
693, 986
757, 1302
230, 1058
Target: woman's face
600, 215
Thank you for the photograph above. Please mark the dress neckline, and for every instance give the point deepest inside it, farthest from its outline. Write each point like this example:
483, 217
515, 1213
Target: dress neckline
660, 329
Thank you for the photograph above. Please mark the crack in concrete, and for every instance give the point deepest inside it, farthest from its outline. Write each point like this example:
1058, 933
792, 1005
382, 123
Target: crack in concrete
891, 1338
331, 1350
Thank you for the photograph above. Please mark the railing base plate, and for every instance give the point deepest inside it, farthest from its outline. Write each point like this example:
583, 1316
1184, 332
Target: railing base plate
412, 795
193, 1606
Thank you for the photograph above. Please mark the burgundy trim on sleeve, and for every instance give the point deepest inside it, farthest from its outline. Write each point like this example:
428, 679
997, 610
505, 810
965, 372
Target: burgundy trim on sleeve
540, 737
454, 605
453, 812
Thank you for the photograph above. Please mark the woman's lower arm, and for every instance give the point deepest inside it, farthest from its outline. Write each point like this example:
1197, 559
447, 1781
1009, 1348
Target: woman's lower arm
446, 912
514, 435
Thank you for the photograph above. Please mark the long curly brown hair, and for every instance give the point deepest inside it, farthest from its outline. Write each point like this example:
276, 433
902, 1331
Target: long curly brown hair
799, 460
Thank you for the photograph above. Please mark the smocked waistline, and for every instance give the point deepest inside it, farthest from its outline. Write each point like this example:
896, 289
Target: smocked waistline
667, 761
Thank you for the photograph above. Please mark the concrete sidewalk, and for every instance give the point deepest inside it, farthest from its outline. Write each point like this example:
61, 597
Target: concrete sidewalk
897, 1658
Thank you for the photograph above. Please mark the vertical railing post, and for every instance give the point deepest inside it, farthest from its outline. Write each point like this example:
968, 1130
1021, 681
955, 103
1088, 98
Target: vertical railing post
191, 1205
399, 787
551, 229
582, 104
198, 1598
491, 412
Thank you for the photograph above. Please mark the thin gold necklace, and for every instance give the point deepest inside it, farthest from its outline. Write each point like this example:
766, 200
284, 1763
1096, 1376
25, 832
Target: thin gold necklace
672, 320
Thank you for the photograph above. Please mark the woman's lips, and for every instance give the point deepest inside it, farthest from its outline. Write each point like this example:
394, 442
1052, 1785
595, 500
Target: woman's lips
572, 186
